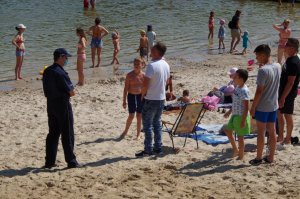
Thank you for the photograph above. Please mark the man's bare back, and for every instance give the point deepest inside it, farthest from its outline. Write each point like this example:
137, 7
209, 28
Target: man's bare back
144, 42
97, 31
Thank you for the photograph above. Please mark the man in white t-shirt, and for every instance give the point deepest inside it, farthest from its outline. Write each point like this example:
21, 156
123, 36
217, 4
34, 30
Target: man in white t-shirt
154, 93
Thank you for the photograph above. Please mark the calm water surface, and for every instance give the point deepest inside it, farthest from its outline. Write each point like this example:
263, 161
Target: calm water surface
181, 24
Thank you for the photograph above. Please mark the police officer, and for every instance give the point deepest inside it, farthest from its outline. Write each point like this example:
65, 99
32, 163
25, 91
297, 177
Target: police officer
58, 89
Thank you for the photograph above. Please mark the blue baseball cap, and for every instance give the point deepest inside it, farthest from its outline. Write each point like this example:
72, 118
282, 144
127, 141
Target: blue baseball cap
60, 52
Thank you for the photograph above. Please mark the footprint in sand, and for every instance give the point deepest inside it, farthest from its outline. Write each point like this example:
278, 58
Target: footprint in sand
170, 167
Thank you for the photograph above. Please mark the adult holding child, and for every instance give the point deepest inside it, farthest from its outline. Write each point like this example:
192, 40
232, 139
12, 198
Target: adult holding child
18, 41
154, 94
284, 33
97, 32
236, 31
288, 89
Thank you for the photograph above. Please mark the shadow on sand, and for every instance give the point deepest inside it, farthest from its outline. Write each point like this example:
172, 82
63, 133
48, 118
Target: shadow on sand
217, 163
100, 140
106, 161
24, 171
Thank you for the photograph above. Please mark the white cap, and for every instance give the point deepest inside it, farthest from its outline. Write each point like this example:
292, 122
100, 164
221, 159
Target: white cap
232, 71
21, 26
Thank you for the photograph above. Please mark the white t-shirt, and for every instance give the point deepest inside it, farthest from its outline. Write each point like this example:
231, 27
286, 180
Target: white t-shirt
158, 72
151, 35
238, 96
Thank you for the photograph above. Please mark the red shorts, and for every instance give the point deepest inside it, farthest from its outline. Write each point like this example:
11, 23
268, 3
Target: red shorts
86, 3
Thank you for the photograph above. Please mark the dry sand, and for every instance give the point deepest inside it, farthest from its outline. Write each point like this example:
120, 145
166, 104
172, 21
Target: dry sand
112, 171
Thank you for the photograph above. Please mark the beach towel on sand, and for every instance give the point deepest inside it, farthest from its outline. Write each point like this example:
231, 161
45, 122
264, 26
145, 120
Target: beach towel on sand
213, 134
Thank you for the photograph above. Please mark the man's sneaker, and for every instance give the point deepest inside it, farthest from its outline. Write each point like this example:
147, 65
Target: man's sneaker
74, 165
158, 151
49, 166
143, 154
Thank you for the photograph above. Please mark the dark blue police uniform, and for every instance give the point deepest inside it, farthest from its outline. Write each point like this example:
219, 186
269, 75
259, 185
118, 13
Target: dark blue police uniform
57, 86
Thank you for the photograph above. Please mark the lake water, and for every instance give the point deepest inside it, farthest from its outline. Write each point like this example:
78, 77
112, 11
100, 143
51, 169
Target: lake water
181, 24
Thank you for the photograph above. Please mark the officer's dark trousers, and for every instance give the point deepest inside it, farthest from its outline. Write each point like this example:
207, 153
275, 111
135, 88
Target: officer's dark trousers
60, 121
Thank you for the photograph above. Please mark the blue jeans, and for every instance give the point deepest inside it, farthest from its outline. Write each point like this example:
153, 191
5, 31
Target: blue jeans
151, 116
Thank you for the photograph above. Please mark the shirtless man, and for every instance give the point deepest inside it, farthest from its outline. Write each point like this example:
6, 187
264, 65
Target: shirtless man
97, 32
133, 93
143, 48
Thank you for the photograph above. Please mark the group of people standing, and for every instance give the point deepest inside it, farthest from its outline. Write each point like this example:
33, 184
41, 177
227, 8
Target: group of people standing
236, 34
145, 92
97, 33
277, 88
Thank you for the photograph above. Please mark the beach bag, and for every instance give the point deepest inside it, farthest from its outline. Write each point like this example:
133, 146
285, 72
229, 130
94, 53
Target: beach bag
230, 24
210, 103
219, 94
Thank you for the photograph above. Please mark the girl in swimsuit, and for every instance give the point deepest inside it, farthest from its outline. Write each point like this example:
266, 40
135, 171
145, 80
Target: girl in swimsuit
284, 33
211, 24
81, 56
116, 41
18, 41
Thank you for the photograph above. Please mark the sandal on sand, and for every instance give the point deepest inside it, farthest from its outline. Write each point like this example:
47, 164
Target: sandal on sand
267, 160
255, 162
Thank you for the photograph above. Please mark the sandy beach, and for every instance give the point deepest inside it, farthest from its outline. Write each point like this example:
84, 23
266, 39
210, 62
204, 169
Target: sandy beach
111, 170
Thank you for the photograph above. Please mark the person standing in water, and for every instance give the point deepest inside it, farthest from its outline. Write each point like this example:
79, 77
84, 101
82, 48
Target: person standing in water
211, 25
18, 41
93, 4
116, 42
151, 35
236, 31
81, 56
97, 32
292, 2
221, 34
85, 4
284, 33
143, 48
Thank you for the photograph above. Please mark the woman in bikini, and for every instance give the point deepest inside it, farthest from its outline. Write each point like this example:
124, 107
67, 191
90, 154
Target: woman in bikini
81, 56
211, 24
284, 33
18, 41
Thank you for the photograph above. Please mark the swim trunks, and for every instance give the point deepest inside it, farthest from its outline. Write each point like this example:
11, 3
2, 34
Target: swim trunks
266, 117
143, 52
134, 103
96, 43
235, 125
